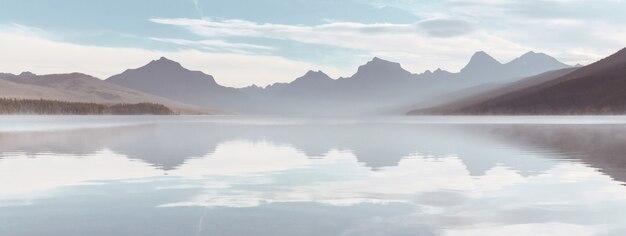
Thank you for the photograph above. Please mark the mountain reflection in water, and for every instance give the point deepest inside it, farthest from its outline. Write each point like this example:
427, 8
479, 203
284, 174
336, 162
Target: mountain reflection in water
346, 177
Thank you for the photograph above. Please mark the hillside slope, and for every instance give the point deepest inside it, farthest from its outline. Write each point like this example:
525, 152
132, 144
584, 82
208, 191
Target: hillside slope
476, 96
599, 88
77, 87
169, 79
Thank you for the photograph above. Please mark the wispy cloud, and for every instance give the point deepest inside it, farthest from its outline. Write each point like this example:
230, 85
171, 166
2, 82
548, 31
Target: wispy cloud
419, 34
236, 27
446, 27
31, 51
422, 45
564, 28
216, 45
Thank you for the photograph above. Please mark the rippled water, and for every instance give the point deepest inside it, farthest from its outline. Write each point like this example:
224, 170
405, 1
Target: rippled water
312, 176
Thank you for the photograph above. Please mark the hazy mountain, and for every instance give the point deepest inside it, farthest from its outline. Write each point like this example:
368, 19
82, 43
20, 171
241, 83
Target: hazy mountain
252, 90
380, 86
482, 73
377, 86
392, 142
438, 74
379, 71
476, 95
442, 100
169, 79
484, 68
599, 88
481, 66
309, 84
77, 87
532, 63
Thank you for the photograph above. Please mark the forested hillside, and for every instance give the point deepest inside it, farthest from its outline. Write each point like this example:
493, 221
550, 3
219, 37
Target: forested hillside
51, 107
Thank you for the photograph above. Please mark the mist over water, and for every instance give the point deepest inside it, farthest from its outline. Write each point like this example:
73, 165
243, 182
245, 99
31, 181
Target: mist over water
263, 175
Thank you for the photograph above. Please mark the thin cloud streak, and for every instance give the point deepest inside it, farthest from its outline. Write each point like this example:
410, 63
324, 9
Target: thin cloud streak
420, 46
574, 31
40, 55
215, 45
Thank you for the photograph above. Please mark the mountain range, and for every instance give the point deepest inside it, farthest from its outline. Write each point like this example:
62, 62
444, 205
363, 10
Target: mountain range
599, 88
486, 68
380, 86
77, 87
377, 87
168, 79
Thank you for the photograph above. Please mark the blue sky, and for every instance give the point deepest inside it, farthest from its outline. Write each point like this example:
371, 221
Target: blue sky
264, 41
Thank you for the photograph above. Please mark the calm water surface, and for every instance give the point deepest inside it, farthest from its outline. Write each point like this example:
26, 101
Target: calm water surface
151, 175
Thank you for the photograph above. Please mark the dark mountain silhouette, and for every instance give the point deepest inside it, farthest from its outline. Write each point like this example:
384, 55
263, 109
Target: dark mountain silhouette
599, 88
77, 87
169, 79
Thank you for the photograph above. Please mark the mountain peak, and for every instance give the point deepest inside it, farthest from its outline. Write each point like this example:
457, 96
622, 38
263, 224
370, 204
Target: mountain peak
480, 62
314, 73
163, 61
164, 77
480, 53
27, 73
537, 59
380, 69
378, 63
378, 60
532, 54
483, 57
314, 76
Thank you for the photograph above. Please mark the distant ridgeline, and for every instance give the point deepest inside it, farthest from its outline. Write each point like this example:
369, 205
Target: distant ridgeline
51, 107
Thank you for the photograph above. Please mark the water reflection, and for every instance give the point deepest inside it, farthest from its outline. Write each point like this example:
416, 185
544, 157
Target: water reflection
601, 146
167, 146
311, 178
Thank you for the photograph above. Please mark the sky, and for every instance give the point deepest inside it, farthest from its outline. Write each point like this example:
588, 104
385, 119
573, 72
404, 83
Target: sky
244, 42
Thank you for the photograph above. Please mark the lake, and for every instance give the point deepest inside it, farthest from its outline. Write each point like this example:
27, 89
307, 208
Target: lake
240, 175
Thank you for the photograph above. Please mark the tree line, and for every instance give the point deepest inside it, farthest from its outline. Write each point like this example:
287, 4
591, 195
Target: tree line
54, 107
